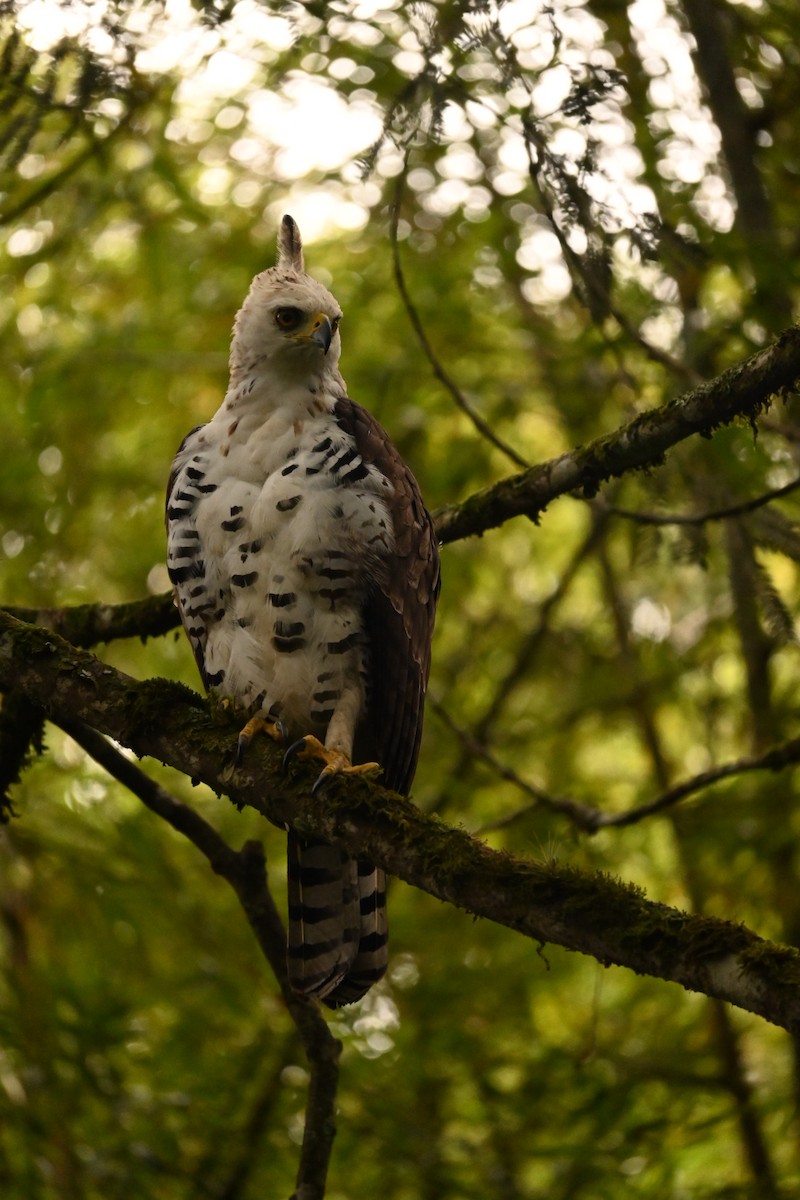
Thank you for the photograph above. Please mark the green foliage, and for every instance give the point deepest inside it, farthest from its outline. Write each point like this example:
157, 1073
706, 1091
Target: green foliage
595, 656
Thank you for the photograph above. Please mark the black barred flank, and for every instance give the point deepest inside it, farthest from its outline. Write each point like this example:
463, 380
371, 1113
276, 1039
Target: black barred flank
216, 679
244, 580
356, 474
288, 645
289, 629
183, 574
234, 525
288, 504
281, 599
288, 470
332, 595
344, 644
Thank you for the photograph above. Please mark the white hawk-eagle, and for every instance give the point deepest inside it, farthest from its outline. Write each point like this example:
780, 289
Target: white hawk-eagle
306, 572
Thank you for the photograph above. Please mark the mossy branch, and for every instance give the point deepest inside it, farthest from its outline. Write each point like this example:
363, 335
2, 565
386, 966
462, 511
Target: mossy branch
744, 390
589, 913
90, 624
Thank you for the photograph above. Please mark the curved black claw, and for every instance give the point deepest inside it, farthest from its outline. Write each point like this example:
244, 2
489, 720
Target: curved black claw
293, 751
323, 779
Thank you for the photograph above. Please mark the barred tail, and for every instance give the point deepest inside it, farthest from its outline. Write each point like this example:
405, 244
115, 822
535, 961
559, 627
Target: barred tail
373, 951
337, 922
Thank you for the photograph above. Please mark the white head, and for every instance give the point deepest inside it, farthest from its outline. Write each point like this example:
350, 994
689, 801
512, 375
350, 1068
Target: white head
289, 322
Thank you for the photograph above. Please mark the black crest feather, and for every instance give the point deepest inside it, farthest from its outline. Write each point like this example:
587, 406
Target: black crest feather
290, 245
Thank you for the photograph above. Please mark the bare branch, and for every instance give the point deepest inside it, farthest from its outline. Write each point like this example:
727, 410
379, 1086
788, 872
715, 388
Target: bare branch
715, 514
547, 902
245, 871
776, 759
587, 817
582, 815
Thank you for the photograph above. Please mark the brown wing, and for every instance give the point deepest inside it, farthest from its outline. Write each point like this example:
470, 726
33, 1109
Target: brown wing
401, 606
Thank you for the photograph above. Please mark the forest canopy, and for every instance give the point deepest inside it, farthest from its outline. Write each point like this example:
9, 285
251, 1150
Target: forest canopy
564, 239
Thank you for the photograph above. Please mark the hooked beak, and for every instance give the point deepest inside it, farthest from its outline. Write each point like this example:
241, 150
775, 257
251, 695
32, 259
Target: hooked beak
321, 332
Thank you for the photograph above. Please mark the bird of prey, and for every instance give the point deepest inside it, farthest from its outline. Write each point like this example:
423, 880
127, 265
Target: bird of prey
306, 572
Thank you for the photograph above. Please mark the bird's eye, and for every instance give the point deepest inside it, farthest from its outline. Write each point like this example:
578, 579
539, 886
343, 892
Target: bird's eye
288, 318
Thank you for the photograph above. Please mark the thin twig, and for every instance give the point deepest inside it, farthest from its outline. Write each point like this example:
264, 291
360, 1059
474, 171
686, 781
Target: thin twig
775, 759
439, 371
589, 818
717, 514
581, 814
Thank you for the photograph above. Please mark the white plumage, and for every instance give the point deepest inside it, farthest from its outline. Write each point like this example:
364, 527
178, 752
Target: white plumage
285, 515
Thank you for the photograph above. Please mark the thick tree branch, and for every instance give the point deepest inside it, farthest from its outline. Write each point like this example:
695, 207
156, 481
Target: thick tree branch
589, 913
744, 390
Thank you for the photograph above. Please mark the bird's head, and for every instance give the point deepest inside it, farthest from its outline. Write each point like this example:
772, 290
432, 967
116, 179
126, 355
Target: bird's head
288, 321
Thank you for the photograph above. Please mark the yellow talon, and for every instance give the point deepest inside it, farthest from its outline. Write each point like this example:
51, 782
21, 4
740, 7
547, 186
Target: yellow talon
336, 762
255, 725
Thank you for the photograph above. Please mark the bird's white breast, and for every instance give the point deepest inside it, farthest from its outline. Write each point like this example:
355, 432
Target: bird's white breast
287, 545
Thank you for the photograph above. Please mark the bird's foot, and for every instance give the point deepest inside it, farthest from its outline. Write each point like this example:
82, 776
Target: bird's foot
336, 762
258, 724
